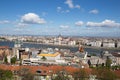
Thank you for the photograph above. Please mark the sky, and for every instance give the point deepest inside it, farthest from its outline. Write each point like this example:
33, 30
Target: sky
65, 17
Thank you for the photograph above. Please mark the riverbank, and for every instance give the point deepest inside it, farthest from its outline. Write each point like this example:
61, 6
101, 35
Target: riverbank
73, 49
52, 44
73, 46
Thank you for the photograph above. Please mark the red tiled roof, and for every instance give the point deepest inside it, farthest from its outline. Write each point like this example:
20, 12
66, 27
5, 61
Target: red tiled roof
4, 47
47, 69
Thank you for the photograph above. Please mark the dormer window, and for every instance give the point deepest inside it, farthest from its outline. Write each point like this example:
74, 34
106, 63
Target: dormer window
39, 71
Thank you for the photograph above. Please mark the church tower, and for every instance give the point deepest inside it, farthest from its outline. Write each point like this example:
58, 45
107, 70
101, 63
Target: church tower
81, 50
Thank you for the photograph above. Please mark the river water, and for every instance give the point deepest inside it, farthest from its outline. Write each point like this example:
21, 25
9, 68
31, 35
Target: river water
72, 49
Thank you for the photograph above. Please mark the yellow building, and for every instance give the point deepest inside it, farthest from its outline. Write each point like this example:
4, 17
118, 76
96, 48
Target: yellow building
50, 56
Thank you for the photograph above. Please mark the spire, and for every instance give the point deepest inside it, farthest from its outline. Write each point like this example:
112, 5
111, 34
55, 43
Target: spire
59, 35
81, 49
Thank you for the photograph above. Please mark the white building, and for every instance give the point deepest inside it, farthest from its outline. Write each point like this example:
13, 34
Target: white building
82, 56
118, 44
109, 44
96, 60
72, 42
96, 43
117, 58
9, 58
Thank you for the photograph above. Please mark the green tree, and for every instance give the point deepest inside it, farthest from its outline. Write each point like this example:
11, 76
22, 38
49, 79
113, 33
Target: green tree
25, 74
13, 60
105, 74
44, 58
81, 74
6, 75
108, 63
61, 75
20, 62
5, 60
28, 76
108, 75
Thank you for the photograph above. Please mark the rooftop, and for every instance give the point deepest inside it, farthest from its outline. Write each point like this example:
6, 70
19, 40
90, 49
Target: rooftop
117, 54
4, 47
33, 69
49, 54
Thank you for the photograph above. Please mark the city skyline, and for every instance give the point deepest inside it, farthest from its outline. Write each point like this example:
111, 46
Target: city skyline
66, 17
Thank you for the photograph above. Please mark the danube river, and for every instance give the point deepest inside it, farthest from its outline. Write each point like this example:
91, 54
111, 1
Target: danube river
72, 49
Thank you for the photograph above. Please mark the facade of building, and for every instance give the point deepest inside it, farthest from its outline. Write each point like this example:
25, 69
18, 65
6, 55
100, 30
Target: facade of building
117, 58
94, 60
5, 51
118, 44
73, 42
109, 44
96, 43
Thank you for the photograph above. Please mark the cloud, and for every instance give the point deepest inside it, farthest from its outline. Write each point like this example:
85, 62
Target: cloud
64, 26
105, 23
59, 9
22, 25
4, 22
77, 6
32, 18
79, 23
94, 11
71, 5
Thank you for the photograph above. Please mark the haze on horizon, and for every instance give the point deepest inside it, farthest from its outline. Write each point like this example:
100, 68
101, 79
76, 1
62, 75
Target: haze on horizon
66, 17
